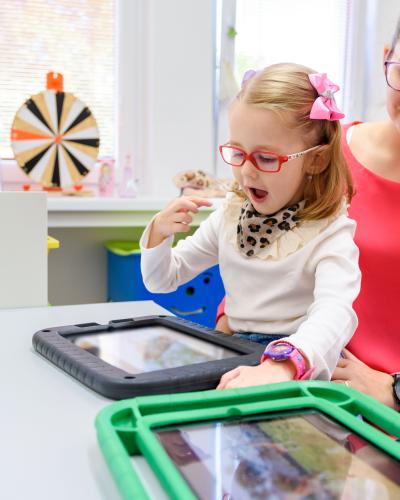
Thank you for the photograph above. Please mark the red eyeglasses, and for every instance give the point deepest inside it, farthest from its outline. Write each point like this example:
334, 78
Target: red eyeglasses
264, 161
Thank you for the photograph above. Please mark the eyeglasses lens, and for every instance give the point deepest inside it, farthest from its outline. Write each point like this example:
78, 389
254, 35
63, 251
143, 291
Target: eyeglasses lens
393, 75
232, 156
266, 161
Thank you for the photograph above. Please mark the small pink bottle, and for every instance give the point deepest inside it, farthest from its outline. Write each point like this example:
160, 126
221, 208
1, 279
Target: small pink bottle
127, 185
107, 178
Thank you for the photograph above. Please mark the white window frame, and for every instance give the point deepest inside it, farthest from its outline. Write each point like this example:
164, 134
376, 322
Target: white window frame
165, 89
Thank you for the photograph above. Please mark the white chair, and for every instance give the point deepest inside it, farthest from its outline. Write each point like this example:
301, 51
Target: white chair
23, 249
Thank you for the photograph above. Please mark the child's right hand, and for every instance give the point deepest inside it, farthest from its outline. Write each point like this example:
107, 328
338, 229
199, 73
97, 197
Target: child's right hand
268, 372
175, 218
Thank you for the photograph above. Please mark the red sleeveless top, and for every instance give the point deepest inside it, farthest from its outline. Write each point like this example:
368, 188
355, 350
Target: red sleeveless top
376, 208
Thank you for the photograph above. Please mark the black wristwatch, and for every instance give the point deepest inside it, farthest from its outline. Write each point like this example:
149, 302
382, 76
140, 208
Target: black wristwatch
396, 388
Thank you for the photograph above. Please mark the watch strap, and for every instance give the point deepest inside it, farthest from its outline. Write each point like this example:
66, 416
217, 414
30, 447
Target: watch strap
396, 388
296, 357
307, 374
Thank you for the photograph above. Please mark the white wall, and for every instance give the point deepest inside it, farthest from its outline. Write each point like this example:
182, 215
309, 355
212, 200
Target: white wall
78, 269
23, 249
169, 47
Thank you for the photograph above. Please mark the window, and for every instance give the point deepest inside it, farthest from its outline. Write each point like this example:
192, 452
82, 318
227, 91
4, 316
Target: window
262, 32
72, 37
308, 32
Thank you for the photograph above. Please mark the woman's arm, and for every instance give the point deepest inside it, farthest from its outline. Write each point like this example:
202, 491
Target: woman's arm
358, 375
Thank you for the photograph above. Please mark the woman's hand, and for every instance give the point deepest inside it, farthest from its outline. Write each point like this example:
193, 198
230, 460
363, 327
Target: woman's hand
223, 325
268, 372
175, 218
360, 376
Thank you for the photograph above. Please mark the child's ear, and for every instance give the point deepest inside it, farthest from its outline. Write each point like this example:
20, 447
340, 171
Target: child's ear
318, 160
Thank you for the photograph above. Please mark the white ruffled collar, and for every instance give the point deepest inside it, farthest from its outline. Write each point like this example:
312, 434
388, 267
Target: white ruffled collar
290, 241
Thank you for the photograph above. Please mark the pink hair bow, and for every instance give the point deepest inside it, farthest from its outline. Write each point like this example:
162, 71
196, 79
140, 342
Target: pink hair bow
324, 107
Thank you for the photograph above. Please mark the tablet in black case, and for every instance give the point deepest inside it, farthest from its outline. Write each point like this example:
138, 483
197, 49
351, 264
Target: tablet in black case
144, 355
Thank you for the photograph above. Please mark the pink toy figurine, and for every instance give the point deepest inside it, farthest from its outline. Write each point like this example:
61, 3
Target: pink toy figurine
107, 178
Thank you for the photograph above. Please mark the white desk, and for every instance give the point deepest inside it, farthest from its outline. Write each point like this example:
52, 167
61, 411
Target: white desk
48, 440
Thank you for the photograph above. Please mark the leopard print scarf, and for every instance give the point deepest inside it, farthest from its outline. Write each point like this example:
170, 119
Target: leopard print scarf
255, 231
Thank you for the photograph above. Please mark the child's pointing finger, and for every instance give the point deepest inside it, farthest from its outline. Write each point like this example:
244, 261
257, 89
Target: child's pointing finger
200, 202
190, 205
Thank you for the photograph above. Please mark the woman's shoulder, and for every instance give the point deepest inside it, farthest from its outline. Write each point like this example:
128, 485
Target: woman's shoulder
346, 126
363, 131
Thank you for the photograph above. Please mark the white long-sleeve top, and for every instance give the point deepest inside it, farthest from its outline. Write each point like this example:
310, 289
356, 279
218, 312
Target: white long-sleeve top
303, 285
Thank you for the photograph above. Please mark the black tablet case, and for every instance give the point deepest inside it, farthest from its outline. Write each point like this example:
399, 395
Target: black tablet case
115, 383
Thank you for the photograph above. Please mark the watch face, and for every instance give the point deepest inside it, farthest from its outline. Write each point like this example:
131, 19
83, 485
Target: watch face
280, 351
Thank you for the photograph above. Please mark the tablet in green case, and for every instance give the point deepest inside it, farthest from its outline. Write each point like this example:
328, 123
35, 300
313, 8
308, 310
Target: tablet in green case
308, 440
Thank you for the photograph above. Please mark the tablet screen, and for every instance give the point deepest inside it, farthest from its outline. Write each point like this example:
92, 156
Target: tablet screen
151, 348
307, 456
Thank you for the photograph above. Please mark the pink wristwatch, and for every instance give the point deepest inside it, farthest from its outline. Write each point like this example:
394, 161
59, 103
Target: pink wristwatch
282, 351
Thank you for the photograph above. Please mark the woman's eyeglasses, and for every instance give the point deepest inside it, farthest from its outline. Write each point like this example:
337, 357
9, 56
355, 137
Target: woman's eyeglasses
262, 160
392, 74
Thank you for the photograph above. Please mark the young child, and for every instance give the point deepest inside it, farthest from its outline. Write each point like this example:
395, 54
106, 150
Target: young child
283, 241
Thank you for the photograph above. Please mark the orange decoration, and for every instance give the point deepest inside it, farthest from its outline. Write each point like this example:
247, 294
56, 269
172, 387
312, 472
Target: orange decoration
54, 136
54, 81
23, 135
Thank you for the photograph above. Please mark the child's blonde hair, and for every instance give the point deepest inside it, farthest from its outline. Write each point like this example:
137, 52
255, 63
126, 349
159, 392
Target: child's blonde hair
286, 89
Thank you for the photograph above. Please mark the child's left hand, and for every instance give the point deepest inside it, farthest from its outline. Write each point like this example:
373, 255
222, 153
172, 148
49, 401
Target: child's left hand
268, 372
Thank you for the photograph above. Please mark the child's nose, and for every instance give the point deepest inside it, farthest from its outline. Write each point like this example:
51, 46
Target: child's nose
248, 169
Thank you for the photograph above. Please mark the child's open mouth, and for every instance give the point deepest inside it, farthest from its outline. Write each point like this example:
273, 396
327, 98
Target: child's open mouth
258, 194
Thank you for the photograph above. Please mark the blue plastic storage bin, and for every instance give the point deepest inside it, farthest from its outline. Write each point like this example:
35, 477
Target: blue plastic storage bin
196, 300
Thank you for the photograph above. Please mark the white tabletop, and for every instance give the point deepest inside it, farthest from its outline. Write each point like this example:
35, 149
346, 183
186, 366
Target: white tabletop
48, 440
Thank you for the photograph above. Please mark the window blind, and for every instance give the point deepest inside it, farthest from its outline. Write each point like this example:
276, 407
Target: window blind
72, 37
